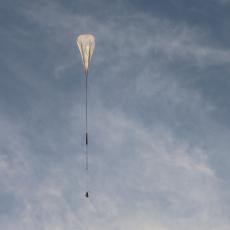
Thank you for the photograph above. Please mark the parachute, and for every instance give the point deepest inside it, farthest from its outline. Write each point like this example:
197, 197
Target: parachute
86, 44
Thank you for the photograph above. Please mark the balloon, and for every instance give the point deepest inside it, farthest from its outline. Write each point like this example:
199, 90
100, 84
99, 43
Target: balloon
86, 44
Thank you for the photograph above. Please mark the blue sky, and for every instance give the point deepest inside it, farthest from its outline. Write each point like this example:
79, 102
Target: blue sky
158, 115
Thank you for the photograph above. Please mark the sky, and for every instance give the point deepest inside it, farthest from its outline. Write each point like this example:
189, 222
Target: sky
159, 129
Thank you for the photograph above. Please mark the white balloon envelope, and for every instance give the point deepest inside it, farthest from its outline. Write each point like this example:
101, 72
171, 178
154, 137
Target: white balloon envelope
86, 44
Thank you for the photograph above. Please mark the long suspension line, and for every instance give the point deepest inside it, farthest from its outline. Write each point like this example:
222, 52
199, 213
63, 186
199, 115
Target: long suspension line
86, 134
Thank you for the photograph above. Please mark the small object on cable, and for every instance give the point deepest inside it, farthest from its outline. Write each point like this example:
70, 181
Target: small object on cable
87, 194
86, 138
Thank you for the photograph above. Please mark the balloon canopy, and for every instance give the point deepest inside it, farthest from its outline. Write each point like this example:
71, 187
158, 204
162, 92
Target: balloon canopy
86, 44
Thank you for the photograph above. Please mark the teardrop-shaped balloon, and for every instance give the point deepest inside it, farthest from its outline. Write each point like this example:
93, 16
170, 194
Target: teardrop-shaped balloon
86, 44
